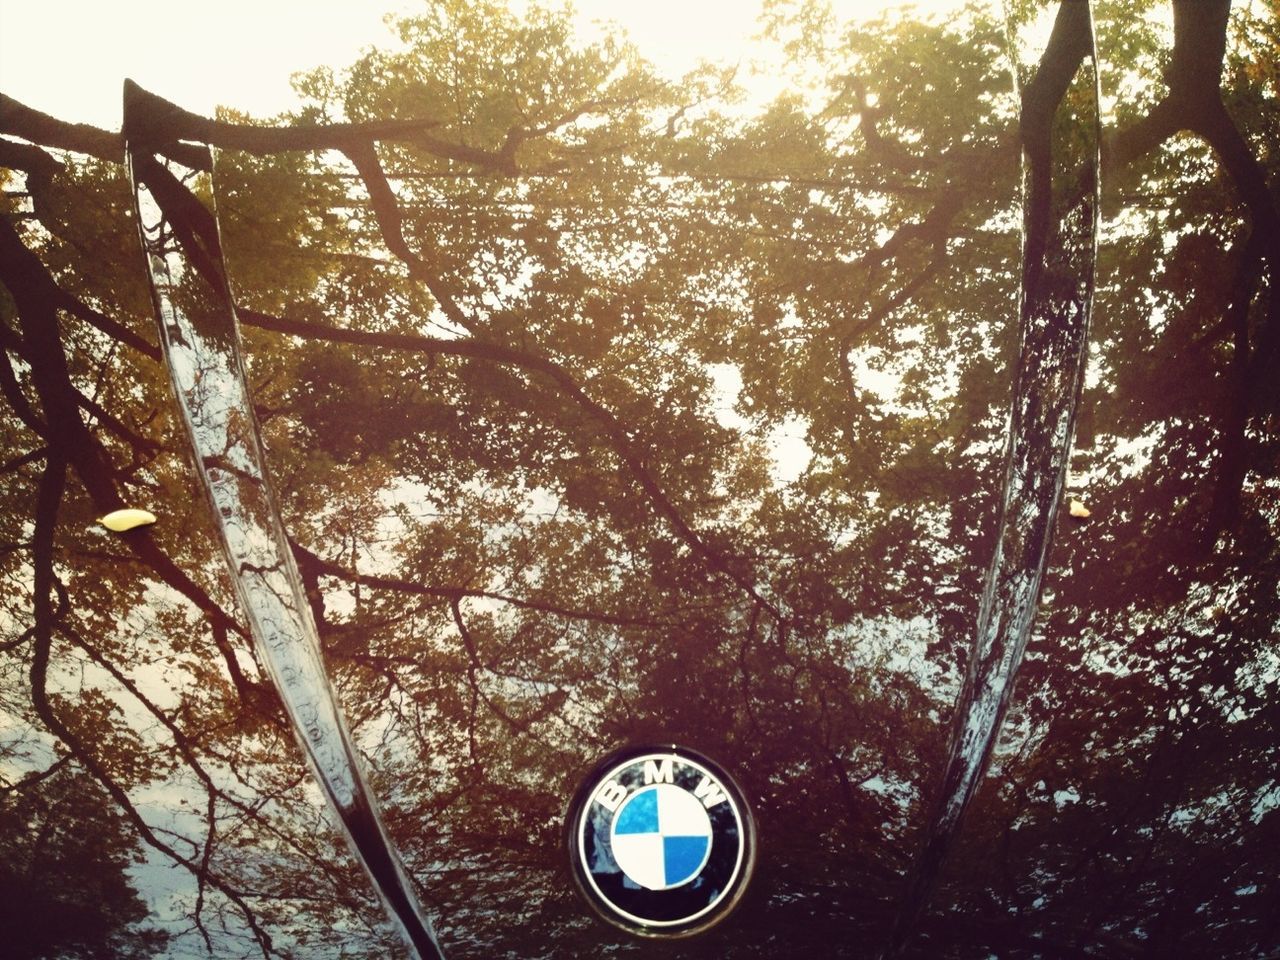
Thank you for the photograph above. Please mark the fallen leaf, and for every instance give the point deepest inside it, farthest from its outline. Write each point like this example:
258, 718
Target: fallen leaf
1079, 510
122, 520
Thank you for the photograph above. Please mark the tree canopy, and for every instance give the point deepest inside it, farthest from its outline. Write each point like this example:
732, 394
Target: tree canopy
606, 407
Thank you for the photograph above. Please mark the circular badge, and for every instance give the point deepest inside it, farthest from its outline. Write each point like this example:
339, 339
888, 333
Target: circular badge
661, 841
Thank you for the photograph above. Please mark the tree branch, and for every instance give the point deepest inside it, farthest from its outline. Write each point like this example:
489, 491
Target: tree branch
620, 440
386, 210
19, 120
319, 565
160, 123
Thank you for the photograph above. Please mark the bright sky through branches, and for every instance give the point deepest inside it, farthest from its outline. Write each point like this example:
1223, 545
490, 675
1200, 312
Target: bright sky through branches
68, 57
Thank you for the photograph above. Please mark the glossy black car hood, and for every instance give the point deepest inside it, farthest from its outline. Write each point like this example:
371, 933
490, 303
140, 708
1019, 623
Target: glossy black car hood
594, 413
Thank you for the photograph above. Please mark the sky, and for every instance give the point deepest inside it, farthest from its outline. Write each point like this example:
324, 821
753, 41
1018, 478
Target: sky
69, 57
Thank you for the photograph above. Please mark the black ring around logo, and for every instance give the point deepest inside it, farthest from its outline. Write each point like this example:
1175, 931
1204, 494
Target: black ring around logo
661, 841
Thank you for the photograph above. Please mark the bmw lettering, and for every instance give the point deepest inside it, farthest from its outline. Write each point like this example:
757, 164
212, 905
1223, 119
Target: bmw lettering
661, 841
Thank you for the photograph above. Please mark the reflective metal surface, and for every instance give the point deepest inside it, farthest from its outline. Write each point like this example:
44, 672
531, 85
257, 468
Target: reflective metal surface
1060, 194
201, 346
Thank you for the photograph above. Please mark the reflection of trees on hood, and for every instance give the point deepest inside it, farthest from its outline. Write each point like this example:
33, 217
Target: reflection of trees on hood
63, 889
606, 410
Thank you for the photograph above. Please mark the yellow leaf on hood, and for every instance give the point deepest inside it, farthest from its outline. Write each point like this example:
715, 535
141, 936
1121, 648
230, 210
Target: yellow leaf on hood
1078, 509
122, 520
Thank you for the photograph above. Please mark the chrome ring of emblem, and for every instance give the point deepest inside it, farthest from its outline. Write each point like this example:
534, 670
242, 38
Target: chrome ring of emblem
661, 841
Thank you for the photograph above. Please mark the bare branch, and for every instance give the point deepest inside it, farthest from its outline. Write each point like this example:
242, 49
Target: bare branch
19, 120
161, 123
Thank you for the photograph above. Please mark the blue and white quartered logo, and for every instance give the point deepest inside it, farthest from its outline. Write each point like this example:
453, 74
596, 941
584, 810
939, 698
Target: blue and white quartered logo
662, 842
661, 837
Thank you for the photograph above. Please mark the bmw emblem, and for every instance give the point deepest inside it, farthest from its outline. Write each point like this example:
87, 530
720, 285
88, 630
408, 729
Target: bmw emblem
661, 841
